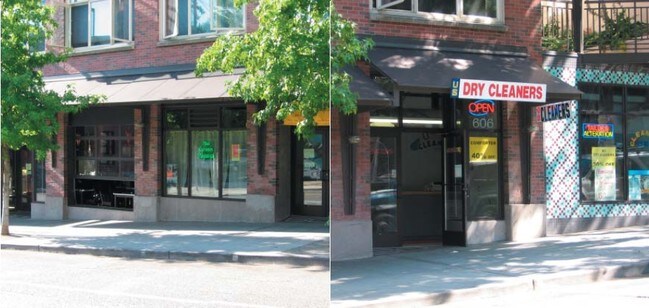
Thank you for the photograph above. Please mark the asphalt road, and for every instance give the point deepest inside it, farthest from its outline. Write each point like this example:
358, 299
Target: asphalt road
627, 293
36, 279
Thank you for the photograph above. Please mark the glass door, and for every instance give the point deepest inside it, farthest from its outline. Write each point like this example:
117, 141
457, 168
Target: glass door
383, 198
311, 175
454, 191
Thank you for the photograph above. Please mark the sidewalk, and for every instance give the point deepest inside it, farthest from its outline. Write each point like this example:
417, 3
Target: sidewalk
299, 242
437, 275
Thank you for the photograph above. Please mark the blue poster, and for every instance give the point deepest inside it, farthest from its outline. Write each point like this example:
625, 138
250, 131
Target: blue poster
638, 184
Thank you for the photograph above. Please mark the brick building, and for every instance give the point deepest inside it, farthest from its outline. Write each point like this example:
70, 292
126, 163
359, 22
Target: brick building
434, 169
165, 145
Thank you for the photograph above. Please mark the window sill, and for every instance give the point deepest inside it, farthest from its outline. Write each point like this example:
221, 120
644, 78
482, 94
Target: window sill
82, 51
376, 15
182, 40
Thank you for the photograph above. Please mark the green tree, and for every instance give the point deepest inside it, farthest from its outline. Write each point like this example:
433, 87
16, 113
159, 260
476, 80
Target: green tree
28, 109
293, 62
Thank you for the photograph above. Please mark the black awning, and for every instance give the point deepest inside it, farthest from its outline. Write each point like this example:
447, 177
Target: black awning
433, 70
370, 94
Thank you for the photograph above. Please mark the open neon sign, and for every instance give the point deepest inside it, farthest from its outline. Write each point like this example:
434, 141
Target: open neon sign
481, 108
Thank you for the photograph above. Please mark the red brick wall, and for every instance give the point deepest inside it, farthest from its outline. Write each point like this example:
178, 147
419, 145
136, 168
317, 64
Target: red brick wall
267, 183
512, 151
146, 35
362, 162
537, 172
522, 19
55, 179
147, 183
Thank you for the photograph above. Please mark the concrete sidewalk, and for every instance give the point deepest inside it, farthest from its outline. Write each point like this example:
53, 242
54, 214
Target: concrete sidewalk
437, 275
299, 242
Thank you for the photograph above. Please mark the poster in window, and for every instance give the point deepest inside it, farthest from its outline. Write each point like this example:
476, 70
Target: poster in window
235, 152
483, 149
603, 165
638, 184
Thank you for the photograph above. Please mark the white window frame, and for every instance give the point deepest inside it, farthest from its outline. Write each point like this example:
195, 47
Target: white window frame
214, 30
459, 16
114, 42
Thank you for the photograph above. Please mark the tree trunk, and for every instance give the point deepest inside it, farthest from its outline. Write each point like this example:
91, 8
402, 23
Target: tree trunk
6, 189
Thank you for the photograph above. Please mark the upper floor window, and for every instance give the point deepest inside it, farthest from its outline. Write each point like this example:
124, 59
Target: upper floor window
468, 11
93, 23
200, 17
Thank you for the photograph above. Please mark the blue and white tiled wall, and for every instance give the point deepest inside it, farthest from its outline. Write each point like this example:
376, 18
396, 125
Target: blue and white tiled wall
561, 151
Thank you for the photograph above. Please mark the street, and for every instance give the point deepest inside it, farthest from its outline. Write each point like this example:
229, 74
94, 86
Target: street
37, 279
627, 293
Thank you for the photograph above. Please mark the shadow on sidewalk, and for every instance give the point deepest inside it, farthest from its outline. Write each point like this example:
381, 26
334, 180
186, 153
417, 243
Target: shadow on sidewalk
446, 269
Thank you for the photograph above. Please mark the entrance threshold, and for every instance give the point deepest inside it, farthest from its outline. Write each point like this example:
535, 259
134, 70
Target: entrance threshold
303, 218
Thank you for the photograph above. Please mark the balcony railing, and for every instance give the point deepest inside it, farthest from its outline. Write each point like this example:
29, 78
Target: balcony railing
599, 27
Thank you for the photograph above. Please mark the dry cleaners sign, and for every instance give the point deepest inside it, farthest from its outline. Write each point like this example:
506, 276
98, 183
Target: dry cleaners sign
498, 90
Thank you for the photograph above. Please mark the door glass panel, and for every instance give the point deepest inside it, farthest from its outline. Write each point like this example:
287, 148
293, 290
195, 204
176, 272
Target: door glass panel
484, 177
421, 198
383, 198
454, 194
312, 179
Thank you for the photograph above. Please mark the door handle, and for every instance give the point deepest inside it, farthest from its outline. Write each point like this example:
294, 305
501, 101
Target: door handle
324, 175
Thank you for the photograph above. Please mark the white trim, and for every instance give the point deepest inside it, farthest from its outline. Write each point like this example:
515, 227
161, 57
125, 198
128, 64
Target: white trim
189, 36
459, 16
381, 6
114, 43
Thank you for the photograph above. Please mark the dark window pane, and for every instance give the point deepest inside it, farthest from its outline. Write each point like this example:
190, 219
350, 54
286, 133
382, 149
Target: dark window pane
127, 169
85, 148
87, 167
383, 198
84, 131
438, 6
79, 26
638, 100
108, 168
486, 8
176, 119
234, 118
421, 111
598, 99
388, 117
484, 177
175, 151
480, 114
235, 180
120, 19
39, 181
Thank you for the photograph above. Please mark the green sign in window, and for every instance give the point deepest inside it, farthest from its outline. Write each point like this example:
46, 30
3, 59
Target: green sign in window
206, 150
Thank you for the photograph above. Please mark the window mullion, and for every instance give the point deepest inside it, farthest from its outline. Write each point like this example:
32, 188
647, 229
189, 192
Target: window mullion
189, 17
459, 4
89, 22
415, 6
112, 21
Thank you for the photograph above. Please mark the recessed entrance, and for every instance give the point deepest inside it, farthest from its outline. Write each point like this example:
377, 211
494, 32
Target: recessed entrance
310, 180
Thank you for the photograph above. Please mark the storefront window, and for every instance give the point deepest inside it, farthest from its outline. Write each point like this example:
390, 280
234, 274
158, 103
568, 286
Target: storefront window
234, 164
205, 152
176, 163
614, 153
484, 201
205, 164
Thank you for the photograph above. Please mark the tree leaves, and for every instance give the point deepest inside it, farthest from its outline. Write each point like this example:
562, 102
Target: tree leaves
293, 62
28, 109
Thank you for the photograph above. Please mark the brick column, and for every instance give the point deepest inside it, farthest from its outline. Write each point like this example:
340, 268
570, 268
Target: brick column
147, 182
57, 189
351, 235
262, 188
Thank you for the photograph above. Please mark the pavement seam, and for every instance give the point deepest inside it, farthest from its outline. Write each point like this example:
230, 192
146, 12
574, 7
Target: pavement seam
289, 259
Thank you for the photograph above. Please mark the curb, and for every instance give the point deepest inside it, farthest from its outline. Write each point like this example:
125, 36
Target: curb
299, 261
526, 284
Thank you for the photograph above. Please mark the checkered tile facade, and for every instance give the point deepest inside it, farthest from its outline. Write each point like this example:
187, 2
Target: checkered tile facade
561, 146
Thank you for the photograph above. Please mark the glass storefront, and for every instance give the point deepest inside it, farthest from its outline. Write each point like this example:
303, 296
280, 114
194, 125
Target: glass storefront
205, 152
614, 143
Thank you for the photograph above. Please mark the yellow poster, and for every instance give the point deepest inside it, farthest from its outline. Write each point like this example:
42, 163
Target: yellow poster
483, 149
603, 157
321, 118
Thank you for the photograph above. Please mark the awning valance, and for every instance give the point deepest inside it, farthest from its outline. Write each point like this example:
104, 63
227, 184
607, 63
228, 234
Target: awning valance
175, 86
370, 94
433, 70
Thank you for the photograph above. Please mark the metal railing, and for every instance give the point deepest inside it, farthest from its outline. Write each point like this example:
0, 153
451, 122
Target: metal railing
604, 26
